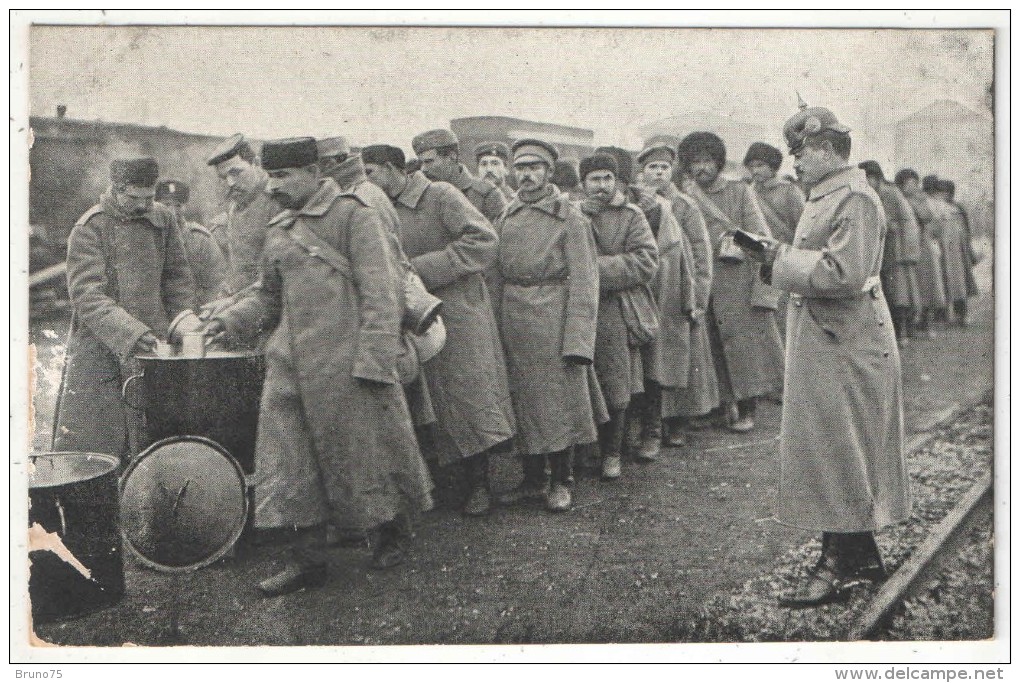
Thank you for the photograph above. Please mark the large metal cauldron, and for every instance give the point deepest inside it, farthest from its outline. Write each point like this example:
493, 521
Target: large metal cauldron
75, 497
216, 397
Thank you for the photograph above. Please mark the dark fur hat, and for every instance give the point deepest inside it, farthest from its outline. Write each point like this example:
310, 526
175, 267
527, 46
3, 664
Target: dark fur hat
701, 143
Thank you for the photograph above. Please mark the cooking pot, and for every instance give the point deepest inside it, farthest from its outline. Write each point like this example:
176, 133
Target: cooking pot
215, 396
74, 497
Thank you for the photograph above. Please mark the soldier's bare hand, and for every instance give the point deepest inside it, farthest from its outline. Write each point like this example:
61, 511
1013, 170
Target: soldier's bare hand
215, 332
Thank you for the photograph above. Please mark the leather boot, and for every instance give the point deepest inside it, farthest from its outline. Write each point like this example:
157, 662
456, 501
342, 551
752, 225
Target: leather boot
559, 498
861, 559
824, 583
534, 485
390, 542
306, 567
610, 443
673, 433
650, 412
478, 502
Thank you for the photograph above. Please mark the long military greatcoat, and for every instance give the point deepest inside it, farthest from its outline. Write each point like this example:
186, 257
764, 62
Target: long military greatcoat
247, 222
902, 249
956, 253
450, 243
335, 439
748, 352
548, 285
701, 393
841, 438
125, 276
208, 265
929, 270
482, 194
627, 258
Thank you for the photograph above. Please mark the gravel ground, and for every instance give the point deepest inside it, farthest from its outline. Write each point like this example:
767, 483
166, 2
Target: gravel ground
940, 473
634, 562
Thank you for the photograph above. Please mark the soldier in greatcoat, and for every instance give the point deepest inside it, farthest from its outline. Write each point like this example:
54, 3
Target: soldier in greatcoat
700, 395
547, 303
450, 244
901, 251
127, 277
493, 162
842, 470
745, 342
929, 272
628, 259
208, 266
957, 252
335, 440
439, 153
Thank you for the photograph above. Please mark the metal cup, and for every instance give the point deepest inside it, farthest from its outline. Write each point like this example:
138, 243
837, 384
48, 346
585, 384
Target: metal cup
193, 345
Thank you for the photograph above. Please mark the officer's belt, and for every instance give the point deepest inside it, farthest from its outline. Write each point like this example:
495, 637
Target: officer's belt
536, 282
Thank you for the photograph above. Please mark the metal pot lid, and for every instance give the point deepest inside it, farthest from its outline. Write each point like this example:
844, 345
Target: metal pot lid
47, 470
183, 505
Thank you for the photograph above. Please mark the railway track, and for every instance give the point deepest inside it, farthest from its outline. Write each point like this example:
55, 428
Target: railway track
945, 540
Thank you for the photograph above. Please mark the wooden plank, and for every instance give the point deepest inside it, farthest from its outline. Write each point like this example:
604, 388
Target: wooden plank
47, 274
903, 580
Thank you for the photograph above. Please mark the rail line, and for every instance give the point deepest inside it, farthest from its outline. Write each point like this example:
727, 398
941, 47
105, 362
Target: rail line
948, 536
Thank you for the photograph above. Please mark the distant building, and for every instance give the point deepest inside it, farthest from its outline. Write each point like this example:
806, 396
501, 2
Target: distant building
951, 141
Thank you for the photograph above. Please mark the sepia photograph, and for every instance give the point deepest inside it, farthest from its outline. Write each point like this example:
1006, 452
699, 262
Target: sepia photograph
335, 330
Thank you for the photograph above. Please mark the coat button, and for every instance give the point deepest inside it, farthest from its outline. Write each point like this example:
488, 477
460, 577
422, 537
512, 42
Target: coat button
885, 354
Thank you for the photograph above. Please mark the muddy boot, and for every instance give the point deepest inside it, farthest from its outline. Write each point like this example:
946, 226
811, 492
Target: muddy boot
390, 542
477, 470
650, 414
305, 568
741, 416
559, 498
825, 582
673, 433
610, 444
534, 485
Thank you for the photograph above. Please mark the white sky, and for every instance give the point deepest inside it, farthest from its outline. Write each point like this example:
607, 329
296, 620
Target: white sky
386, 84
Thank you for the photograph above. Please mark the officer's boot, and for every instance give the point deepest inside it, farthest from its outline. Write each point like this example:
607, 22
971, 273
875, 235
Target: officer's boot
306, 566
477, 470
650, 411
826, 581
559, 498
861, 558
534, 485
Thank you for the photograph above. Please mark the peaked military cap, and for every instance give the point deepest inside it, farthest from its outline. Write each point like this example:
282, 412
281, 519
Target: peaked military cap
531, 149
432, 139
493, 149
336, 146
807, 122
173, 190
383, 154
140, 172
227, 149
289, 153
653, 153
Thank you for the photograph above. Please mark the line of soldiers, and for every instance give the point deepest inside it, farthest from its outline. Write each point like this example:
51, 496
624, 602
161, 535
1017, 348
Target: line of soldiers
619, 315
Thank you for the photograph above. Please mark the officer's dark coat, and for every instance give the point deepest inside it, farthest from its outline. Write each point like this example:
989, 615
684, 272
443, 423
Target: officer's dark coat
125, 276
841, 439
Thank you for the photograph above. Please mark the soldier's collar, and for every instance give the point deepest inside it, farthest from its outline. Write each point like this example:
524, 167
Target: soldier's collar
110, 206
555, 204
717, 185
417, 183
323, 198
464, 180
835, 180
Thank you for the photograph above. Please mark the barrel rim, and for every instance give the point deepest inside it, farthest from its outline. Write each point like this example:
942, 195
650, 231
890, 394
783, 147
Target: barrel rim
221, 355
110, 459
235, 535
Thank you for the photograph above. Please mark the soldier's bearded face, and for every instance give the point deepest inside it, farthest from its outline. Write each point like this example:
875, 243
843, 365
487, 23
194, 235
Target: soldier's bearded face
134, 200
240, 176
600, 185
493, 169
704, 170
438, 167
760, 171
292, 187
657, 173
532, 175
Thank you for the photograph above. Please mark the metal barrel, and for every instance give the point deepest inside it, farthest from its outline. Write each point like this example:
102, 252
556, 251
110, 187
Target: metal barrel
74, 496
